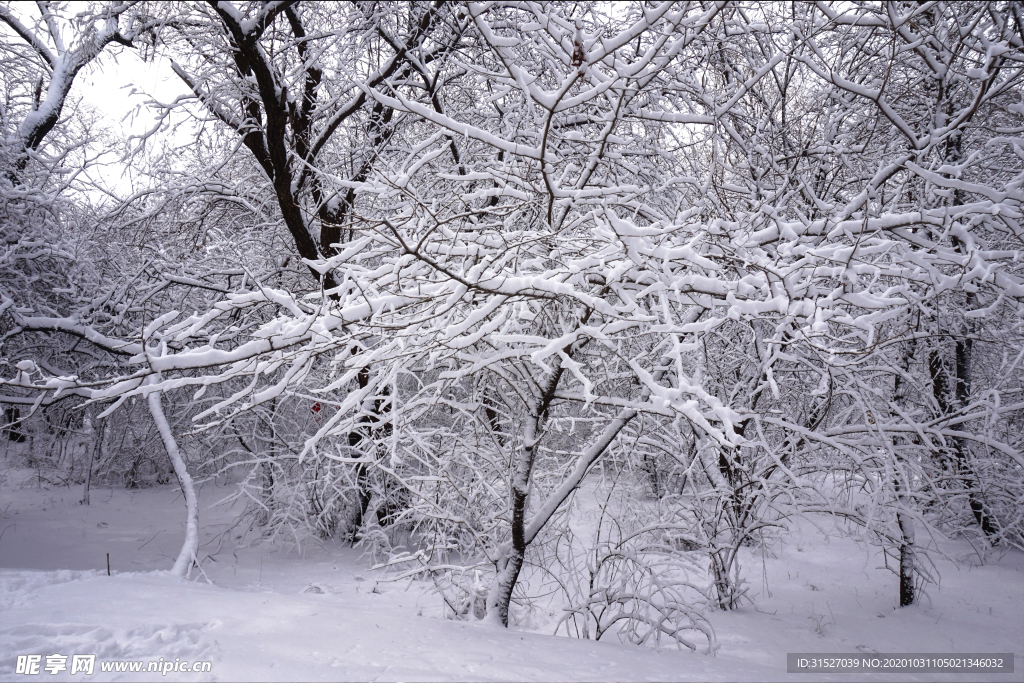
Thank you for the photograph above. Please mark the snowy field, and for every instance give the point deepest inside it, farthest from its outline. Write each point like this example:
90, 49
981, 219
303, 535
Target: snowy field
269, 612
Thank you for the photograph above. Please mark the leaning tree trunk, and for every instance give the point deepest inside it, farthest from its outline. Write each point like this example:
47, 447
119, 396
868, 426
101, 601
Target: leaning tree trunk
500, 596
190, 548
525, 531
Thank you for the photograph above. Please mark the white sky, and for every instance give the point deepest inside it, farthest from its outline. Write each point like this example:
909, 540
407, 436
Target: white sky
118, 86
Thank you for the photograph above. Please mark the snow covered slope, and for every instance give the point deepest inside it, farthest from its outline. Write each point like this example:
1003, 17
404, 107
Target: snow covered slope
272, 614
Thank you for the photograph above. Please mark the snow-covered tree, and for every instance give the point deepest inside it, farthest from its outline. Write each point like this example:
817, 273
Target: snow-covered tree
757, 261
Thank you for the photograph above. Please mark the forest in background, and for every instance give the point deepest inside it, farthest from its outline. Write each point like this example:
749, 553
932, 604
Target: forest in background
444, 279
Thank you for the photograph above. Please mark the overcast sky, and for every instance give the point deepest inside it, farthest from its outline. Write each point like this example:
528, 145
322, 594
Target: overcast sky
119, 85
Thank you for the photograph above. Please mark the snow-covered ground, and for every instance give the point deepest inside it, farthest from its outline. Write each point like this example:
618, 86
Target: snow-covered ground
272, 613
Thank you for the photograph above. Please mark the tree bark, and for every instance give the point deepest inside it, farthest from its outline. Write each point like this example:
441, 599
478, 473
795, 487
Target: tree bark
904, 520
964, 358
907, 558
93, 452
